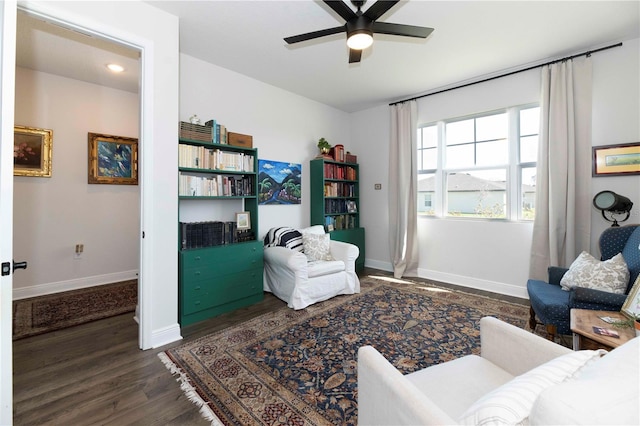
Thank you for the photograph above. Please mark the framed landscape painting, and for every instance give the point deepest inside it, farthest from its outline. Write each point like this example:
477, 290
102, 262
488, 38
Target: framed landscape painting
616, 160
32, 151
113, 159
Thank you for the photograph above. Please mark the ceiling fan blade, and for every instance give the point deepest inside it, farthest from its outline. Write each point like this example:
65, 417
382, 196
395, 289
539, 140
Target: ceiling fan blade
314, 34
379, 8
401, 30
341, 9
354, 55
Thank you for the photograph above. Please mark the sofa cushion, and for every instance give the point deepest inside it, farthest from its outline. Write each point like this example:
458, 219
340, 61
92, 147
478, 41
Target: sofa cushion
322, 267
605, 392
511, 403
611, 275
462, 388
315, 229
317, 247
284, 237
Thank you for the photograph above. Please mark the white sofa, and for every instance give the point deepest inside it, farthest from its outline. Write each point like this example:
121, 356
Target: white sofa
291, 277
518, 374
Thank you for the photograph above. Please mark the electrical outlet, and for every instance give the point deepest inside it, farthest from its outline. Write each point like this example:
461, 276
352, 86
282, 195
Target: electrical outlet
79, 250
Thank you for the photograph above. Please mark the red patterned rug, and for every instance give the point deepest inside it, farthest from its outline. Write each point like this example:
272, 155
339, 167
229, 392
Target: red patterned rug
299, 367
37, 315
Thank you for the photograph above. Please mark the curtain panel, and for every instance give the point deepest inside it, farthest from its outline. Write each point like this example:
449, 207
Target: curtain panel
562, 226
403, 216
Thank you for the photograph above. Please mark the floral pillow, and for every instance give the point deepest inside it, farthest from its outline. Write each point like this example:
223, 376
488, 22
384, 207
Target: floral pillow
586, 271
317, 246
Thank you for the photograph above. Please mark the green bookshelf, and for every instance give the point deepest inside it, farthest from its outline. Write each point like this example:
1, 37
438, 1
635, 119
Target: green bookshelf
335, 202
217, 276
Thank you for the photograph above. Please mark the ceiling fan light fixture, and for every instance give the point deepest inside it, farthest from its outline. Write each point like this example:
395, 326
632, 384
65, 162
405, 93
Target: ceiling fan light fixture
360, 40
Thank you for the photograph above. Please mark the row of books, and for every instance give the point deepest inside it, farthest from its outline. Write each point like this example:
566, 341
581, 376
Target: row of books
215, 186
339, 189
338, 171
209, 234
218, 132
339, 206
200, 157
340, 222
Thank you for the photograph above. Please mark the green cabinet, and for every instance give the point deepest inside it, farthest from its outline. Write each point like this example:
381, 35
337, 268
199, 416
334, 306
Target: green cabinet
335, 202
217, 274
215, 280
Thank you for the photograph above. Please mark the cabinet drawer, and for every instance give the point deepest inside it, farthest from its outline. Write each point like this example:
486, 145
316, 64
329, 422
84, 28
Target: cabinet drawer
231, 258
204, 294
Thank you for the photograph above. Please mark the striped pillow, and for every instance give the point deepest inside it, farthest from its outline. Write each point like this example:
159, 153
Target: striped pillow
511, 403
284, 237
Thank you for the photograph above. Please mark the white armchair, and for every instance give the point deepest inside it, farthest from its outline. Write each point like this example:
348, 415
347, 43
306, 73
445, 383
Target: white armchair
291, 277
519, 378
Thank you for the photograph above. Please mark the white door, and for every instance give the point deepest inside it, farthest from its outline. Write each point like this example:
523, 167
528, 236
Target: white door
7, 91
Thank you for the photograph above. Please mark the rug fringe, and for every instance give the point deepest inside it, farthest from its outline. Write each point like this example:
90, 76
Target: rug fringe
189, 391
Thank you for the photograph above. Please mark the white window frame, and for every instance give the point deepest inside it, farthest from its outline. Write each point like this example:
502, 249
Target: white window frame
513, 169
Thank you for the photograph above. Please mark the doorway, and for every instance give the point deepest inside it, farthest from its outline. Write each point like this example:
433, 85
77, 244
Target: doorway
75, 235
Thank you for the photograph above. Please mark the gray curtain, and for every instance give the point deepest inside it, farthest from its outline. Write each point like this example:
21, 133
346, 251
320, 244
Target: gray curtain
562, 227
403, 216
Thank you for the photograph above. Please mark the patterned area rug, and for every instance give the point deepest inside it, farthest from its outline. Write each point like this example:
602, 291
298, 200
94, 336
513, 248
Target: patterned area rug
42, 314
299, 367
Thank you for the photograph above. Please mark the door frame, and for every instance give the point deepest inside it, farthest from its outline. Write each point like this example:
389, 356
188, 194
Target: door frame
145, 46
8, 16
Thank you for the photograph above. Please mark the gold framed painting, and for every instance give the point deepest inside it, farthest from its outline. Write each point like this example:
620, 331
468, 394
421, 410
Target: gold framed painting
32, 151
113, 159
616, 160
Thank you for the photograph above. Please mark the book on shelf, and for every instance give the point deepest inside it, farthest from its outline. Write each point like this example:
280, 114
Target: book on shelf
215, 185
339, 171
211, 234
201, 157
218, 131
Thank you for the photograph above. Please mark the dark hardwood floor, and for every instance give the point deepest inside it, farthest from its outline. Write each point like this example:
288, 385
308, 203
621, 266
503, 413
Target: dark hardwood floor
95, 374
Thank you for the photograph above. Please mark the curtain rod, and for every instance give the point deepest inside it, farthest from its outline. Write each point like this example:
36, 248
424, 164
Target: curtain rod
587, 54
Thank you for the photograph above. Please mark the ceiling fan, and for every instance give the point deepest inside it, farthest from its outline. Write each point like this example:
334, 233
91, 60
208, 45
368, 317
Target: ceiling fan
360, 26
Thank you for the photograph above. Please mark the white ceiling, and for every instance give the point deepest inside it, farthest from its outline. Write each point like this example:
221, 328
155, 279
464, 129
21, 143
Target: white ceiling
472, 39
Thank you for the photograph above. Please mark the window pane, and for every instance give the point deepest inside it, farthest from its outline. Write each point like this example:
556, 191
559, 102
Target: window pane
529, 149
429, 160
528, 193
480, 194
426, 194
494, 153
460, 156
492, 127
529, 121
430, 137
459, 132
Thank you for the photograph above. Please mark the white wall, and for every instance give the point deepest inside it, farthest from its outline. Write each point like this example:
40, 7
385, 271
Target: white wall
52, 215
494, 255
285, 127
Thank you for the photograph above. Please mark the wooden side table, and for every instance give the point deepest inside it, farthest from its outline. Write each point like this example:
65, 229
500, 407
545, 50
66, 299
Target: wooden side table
582, 323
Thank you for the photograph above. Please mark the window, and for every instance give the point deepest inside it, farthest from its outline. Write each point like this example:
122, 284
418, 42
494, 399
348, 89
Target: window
473, 166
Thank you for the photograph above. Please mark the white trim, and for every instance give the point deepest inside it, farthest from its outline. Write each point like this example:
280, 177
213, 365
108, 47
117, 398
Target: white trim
8, 13
460, 280
475, 283
377, 264
164, 336
75, 284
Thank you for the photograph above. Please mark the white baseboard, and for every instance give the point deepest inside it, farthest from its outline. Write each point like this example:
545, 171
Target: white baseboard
75, 284
460, 280
165, 335
377, 264
475, 283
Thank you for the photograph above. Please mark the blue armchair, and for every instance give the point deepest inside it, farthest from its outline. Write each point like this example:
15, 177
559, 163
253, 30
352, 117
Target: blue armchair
551, 304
